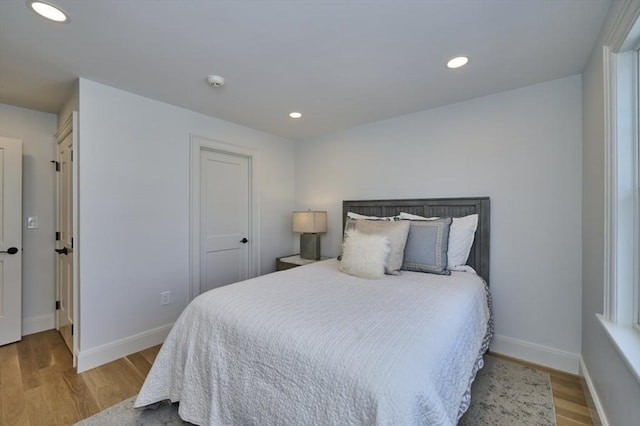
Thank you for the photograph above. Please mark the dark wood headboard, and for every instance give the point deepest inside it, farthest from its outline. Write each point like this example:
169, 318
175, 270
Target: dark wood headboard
428, 207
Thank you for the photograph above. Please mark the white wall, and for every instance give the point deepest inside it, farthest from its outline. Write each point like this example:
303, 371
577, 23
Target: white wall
134, 211
37, 131
72, 104
523, 149
615, 388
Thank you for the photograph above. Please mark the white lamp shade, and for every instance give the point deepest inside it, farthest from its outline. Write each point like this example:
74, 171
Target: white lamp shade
310, 222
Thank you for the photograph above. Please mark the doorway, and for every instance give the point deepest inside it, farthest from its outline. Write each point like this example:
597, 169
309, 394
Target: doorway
224, 214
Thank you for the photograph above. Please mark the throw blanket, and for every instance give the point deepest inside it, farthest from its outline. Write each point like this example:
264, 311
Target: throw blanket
314, 346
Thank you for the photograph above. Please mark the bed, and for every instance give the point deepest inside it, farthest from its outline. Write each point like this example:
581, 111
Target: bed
315, 346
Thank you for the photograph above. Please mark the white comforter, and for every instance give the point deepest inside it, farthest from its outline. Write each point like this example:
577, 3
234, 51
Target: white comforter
314, 346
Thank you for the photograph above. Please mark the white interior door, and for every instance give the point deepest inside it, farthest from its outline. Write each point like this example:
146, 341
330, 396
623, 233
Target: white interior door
224, 219
64, 240
10, 240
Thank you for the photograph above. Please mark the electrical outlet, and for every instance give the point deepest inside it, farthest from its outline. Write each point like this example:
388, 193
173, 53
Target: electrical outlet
165, 298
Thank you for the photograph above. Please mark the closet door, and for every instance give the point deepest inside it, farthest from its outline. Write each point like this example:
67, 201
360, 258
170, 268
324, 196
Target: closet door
224, 219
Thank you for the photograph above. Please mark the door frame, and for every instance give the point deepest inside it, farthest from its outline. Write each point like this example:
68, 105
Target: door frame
70, 125
198, 144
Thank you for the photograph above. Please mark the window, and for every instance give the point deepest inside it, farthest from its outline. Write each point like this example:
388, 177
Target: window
621, 318
637, 192
623, 188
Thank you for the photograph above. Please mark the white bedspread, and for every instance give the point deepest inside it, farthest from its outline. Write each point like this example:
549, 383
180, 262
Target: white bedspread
314, 346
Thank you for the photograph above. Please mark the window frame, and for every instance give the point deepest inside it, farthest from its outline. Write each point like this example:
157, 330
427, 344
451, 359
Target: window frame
621, 310
636, 195
621, 170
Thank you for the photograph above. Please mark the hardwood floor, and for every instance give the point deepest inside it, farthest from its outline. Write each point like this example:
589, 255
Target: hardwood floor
38, 385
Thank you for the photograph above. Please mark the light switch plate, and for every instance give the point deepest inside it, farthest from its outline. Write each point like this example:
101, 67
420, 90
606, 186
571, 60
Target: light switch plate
32, 222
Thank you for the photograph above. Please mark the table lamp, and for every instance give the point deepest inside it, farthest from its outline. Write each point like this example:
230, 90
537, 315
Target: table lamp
310, 224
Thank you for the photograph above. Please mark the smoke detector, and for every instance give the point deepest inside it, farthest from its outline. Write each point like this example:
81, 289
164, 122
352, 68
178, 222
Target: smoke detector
215, 80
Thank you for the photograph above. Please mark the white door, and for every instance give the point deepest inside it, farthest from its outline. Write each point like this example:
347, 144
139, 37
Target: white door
10, 240
64, 239
224, 219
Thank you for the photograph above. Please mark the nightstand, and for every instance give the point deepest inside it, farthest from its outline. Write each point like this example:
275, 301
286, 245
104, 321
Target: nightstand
288, 262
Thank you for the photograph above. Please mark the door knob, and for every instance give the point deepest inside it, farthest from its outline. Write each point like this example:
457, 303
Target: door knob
63, 250
244, 240
10, 250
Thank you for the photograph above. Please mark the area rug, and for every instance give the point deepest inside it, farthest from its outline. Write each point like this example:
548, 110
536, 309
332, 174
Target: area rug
504, 393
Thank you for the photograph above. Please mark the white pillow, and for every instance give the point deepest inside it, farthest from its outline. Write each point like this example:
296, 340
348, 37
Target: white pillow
352, 215
396, 231
364, 255
461, 236
409, 216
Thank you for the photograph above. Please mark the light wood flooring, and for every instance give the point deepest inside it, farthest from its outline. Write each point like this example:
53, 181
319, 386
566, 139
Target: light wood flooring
38, 385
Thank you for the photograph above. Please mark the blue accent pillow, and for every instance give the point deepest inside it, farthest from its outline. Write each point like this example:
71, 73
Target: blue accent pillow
426, 248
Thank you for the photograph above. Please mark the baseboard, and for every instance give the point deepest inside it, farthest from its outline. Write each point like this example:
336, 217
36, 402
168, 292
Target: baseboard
92, 358
593, 394
537, 354
37, 324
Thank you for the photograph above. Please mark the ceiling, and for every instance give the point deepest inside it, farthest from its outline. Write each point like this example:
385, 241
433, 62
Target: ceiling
340, 63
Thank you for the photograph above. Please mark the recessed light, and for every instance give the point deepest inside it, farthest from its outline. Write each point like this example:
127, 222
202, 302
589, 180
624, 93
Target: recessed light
295, 114
457, 62
49, 11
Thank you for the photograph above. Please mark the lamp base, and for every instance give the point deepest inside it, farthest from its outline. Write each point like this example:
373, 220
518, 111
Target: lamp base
310, 246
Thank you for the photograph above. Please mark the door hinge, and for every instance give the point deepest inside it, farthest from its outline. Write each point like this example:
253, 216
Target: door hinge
72, 329
71, 242
57, 163
71, 155
57, 235
57, 305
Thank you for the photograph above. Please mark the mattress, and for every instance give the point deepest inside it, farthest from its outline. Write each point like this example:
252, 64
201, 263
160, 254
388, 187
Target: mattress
314, 346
